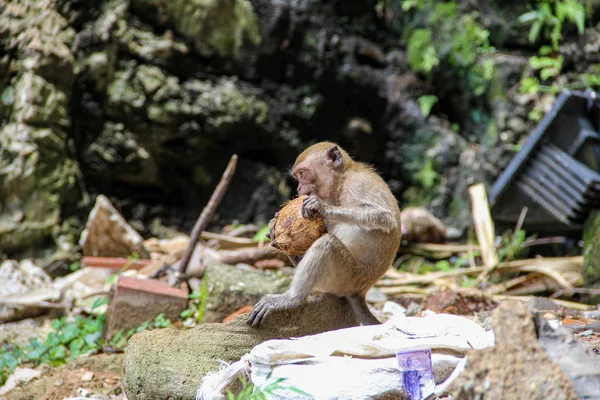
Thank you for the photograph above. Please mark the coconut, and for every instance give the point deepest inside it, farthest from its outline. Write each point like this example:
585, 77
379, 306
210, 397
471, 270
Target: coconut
294, 234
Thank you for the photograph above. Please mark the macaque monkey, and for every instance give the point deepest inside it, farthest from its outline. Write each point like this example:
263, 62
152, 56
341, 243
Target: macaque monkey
363, 232
419, 225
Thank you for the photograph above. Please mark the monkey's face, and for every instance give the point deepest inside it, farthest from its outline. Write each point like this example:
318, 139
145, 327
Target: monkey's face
315, 176
307, 180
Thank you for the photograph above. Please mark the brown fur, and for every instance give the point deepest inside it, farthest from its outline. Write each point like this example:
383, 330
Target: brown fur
363, 224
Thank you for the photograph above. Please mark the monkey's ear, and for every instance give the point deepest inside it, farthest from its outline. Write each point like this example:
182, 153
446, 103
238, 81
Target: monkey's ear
335, 156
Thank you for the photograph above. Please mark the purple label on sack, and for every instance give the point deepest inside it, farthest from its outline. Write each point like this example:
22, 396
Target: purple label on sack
417, 373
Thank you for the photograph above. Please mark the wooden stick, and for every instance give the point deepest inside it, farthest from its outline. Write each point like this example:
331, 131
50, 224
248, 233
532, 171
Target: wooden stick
208, 212
508, 266
484, 229
114, 262
229, 241
564, 303
435, 247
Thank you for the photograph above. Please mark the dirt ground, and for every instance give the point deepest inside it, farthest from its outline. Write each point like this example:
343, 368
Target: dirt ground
98, 375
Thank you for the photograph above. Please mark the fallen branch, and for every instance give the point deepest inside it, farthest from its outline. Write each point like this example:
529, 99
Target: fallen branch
568, 304
250, 256
228, 242
517, 265
208, 212
484, 229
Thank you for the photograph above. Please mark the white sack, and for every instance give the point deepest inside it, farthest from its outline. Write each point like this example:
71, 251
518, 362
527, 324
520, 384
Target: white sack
360, 362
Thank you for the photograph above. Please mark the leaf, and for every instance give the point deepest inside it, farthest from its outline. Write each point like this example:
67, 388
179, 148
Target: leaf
69, 332
36, 350
443, 265
186, 313
203, 298
99, 302
545, 50
426, 103
76, 346
58, 353
58, 323
421, 51
528, 17
92, 338
261, 235
534, 31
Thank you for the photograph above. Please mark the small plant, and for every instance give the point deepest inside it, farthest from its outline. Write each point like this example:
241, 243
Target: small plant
512, 244
69, 338
252, 392
261, 235
195, 312
549, 17
74, 266
426, 103
448, 37
422, 54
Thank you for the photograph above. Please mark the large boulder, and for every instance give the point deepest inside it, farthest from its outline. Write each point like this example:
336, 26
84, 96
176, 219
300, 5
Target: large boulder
516, 367
38, 176
170, 363
591, 248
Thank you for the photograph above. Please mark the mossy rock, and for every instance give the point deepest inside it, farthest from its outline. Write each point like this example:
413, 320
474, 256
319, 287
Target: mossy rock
591, 248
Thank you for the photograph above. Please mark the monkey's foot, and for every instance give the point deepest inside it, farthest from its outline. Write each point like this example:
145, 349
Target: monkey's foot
268, 304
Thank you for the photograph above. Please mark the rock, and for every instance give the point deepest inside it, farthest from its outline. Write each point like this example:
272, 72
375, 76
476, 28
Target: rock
20, 376
19, 333
225, 28
574, 357
38, 177
516, 367
591, 248
19, 278
169, 363
419, 225
461, 303
231, 288
107, 234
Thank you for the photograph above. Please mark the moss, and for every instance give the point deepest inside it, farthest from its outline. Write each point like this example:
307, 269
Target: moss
123, 93
149, 46
37, 178
227, 28
591, 248
225, 103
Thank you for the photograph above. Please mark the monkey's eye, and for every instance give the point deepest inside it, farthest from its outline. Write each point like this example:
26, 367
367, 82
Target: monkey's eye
300, 174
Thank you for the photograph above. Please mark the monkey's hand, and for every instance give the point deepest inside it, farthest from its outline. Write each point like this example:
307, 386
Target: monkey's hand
271, 234
312, 206
268, 304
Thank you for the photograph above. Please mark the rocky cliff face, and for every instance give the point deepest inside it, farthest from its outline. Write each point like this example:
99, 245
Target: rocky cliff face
145, 101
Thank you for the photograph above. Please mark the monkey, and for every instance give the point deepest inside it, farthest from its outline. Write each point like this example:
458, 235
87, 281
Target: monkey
419, 225
363, 232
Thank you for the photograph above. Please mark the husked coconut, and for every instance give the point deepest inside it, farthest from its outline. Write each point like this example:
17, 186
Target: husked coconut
294, 234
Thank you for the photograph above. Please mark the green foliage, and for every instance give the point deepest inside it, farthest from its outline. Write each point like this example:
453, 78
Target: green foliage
261, 235
251, 392
74, 266
443, 265
512, 245
549, 18
69, 338
422, 55
428, 176
426, 103
444, 35
195, 311
546, 67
